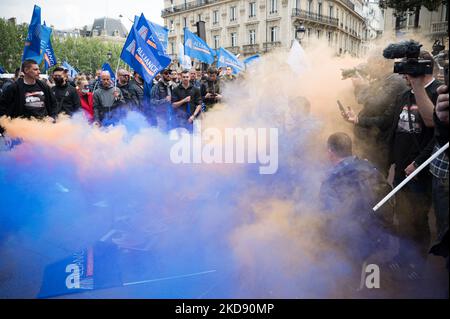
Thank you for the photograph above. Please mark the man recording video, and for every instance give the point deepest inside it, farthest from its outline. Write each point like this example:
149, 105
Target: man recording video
411, 131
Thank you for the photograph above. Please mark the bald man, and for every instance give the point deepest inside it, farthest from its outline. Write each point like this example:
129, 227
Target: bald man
107, 99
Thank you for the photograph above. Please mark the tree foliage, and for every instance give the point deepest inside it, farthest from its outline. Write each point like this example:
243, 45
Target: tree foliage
85, 54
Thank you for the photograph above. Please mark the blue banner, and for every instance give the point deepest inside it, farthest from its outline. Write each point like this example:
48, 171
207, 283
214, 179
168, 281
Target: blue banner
196, 48
251, 59
49, 54
162, 33
107, 67
225, 58
32, 49
72, 72
49, 57
148, 33
143, 58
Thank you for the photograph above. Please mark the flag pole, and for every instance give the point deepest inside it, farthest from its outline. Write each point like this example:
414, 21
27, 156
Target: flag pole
117, 70
413, 174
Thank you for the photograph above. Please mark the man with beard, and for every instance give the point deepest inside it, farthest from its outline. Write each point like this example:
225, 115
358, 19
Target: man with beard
161, 98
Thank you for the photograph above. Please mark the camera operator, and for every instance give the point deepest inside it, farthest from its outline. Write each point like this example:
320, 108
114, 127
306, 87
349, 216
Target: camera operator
211, 89
411, 131
372, 122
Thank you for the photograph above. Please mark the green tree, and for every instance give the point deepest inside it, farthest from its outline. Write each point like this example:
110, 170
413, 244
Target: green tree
12, 40
403, 6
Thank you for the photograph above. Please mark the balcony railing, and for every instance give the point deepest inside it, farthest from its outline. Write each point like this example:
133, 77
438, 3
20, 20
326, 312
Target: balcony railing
439, 27
250, 48
309, 16
234, 50
271, 45
187, 6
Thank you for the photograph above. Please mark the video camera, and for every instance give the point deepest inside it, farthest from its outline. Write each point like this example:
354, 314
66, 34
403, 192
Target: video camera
411, 64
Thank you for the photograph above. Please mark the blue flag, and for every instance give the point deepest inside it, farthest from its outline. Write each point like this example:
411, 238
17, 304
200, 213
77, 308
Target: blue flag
107, 67
162, 33
72, 72
143, 58
32, 49
225, 58
196, 48
49, 57
2, 70
251, 59
149, 35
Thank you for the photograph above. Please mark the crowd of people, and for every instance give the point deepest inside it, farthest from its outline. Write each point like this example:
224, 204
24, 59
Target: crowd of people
174, 100
403, 121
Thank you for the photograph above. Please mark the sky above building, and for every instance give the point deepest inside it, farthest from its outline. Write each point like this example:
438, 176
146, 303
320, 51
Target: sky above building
69, 14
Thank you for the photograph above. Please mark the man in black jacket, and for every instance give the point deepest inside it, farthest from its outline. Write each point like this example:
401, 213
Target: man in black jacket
28, 97
370, 124
186, 101
161, 97
411, 132
67, 99
128, 91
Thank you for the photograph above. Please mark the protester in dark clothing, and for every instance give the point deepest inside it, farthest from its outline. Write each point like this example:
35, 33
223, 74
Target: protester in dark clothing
128, 91
347, 195
94, 83
194, 81
371, 124
28, 97
187, 103
66, 96
8, 82
107, 101
210, 89
409, 136
137, 87
161, 101
439, 166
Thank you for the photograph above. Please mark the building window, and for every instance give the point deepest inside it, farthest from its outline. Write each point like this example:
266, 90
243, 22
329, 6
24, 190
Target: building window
318, 34
330, 38
184, 22
172, 48
297, 4
199, 17
252, 9
234, 39
216, 42
273, 6
309, 32
172, 26
319, 8
216, 17
233, 14
331, 12
273, 34
252, 37
310, 6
